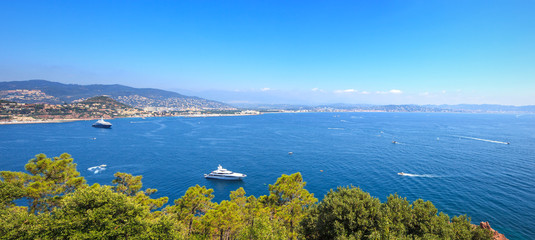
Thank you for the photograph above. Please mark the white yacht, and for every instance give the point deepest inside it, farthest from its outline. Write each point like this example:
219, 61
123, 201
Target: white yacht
102, 124
225, 174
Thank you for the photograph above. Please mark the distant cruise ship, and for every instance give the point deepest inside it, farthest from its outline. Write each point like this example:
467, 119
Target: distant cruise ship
102, 124
225, 174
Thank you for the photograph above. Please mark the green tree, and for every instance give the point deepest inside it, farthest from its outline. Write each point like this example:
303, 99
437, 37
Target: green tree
190, 208
464, 230
350, 213
18, 223
224, 221
97, 212
398, 213
261, 222
347, 213
127, 184
49, 180
10, 191
161, 226
423, 213
131, 186
290, 201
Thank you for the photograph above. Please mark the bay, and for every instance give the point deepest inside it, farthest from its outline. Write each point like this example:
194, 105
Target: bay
460, 162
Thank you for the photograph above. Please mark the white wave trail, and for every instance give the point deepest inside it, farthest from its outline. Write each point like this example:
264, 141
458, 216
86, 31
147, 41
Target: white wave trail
417, 175
335, 128
484, 140
97, 169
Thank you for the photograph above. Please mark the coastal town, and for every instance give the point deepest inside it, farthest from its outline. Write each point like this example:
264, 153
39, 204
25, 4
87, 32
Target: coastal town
90, 109
171, 104
94, 108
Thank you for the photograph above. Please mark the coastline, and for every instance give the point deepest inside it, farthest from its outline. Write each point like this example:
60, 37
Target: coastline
210, 115
43, 121
215, 115
89, 119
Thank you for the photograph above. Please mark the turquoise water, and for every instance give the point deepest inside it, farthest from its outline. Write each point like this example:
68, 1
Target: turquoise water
458, 161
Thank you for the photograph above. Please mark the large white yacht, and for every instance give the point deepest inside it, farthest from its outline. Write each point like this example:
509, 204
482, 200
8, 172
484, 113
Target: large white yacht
225, 174
102, 124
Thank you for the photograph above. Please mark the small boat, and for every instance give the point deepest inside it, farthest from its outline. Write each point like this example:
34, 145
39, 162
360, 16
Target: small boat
225, 174
394, 142
101, 124
401, 173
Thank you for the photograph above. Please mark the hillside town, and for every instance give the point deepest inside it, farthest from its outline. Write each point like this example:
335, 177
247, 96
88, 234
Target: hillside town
171, 104
27, 112
94, 108
25, 95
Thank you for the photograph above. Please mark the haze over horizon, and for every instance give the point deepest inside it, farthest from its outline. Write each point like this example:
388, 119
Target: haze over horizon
400, 52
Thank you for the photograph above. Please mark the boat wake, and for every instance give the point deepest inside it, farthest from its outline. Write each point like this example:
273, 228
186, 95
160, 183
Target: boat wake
417, 175
335, 128
484, 140
162, 127
97, 169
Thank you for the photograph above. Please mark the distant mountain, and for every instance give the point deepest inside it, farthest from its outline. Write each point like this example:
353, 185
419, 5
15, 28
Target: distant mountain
461, 108
383, 108
42, 91
489, 108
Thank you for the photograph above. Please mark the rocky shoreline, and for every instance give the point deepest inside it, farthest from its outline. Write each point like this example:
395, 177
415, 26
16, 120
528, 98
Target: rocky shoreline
495, 234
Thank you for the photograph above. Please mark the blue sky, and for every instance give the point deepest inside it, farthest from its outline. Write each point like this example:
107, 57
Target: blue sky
378, 52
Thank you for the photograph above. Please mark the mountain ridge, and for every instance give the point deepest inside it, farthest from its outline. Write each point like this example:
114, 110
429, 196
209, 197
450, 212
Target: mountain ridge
55, 93
459, 108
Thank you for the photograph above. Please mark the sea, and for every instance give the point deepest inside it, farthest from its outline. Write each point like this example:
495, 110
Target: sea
481, 165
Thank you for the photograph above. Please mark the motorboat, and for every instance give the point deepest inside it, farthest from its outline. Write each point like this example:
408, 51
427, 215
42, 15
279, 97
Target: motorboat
97, 169
102, 124
401, 173
224, 174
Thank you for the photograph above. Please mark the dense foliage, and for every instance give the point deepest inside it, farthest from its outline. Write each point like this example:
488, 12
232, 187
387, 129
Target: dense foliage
62, 206
350, 213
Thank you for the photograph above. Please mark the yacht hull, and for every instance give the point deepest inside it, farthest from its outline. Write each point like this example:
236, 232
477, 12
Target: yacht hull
101, 126
230, 178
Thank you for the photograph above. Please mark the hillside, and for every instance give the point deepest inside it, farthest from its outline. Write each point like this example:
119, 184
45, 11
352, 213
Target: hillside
91, 108
42, 91
105, 101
